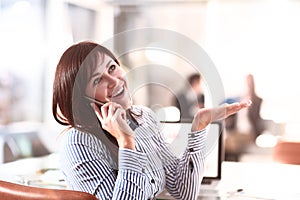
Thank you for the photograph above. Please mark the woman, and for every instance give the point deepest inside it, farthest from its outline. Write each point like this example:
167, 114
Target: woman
114, 149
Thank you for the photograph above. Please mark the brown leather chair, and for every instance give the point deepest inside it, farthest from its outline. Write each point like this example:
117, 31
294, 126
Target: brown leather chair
14, 191
287, 152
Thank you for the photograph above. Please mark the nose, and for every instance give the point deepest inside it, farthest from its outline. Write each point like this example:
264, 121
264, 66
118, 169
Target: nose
111, 80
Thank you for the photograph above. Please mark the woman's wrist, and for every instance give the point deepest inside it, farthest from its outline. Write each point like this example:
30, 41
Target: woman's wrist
127, 142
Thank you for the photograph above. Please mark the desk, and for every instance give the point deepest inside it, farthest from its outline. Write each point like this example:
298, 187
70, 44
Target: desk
40, 171
261, 180
257, 180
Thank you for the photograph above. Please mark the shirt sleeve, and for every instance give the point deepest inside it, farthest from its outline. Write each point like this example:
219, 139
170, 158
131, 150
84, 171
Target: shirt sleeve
184, 174
86, 169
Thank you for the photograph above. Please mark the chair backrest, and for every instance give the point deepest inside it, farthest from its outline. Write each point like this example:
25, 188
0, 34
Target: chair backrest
287, 152
14, 191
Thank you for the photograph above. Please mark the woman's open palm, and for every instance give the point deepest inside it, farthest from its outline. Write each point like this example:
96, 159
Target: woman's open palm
207, 115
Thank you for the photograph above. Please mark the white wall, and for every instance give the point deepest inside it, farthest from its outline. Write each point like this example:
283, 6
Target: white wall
255, 36
262, 38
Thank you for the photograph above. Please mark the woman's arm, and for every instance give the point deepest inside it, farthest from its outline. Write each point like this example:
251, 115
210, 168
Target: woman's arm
184, 174
87, 166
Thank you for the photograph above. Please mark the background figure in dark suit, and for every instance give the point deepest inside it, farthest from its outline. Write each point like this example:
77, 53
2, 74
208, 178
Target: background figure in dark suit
254, 117
191, 98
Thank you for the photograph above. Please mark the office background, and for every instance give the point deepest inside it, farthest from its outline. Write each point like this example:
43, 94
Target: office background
259, 37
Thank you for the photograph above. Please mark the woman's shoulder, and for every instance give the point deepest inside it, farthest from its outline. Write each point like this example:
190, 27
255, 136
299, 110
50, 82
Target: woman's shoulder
74, 137
76, 143
77, 147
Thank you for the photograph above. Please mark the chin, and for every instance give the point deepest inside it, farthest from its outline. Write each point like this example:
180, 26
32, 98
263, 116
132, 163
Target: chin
124, 102
126, 105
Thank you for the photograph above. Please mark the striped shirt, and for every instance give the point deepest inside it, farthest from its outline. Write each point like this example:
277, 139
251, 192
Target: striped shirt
142, 173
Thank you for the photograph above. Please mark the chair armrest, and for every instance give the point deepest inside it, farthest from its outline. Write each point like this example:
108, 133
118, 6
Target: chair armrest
10, 191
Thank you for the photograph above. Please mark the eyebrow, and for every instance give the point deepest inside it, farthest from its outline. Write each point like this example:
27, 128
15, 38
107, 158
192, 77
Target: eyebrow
96, 74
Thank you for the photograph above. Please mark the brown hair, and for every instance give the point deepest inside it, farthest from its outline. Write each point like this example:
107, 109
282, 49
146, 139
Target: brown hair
69, 107
194, 78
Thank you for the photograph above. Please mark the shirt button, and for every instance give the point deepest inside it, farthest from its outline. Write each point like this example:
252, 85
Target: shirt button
152, 181
191, 149
143, 170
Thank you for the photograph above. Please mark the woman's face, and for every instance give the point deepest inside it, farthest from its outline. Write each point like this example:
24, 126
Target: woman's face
107, 84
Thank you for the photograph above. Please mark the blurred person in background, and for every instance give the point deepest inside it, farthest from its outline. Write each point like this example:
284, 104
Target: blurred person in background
190, 98
201, 100
243, 128
255, 119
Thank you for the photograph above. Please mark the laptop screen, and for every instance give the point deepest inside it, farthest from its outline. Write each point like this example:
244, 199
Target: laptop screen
175, 134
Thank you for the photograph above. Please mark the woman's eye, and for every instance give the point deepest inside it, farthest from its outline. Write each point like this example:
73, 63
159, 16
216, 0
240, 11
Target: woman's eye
112, 68
96, 81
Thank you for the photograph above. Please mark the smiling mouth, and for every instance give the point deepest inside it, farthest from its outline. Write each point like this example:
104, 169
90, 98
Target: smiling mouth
119, 92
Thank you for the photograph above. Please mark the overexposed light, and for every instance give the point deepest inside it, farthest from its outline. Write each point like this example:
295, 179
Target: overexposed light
21, 7
266, 140
292, 129
158, 56
233, 31
170, 114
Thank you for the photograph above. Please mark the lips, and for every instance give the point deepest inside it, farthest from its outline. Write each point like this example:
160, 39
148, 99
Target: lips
118, 92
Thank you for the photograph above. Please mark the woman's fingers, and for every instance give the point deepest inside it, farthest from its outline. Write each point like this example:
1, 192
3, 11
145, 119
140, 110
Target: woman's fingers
236, 107
226, 110
113, 119
111, 116
117, 113
120, 118
208, 115
105, 110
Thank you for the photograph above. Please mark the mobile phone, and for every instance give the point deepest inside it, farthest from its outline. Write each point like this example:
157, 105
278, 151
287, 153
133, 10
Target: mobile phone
97, 102
132, 124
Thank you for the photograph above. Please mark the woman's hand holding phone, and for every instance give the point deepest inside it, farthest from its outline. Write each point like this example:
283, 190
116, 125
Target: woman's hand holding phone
113, 119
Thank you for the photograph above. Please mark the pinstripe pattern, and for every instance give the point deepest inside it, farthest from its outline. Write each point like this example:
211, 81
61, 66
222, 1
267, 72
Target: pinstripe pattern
143, 173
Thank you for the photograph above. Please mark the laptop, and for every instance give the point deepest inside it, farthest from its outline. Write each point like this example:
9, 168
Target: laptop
175, 134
